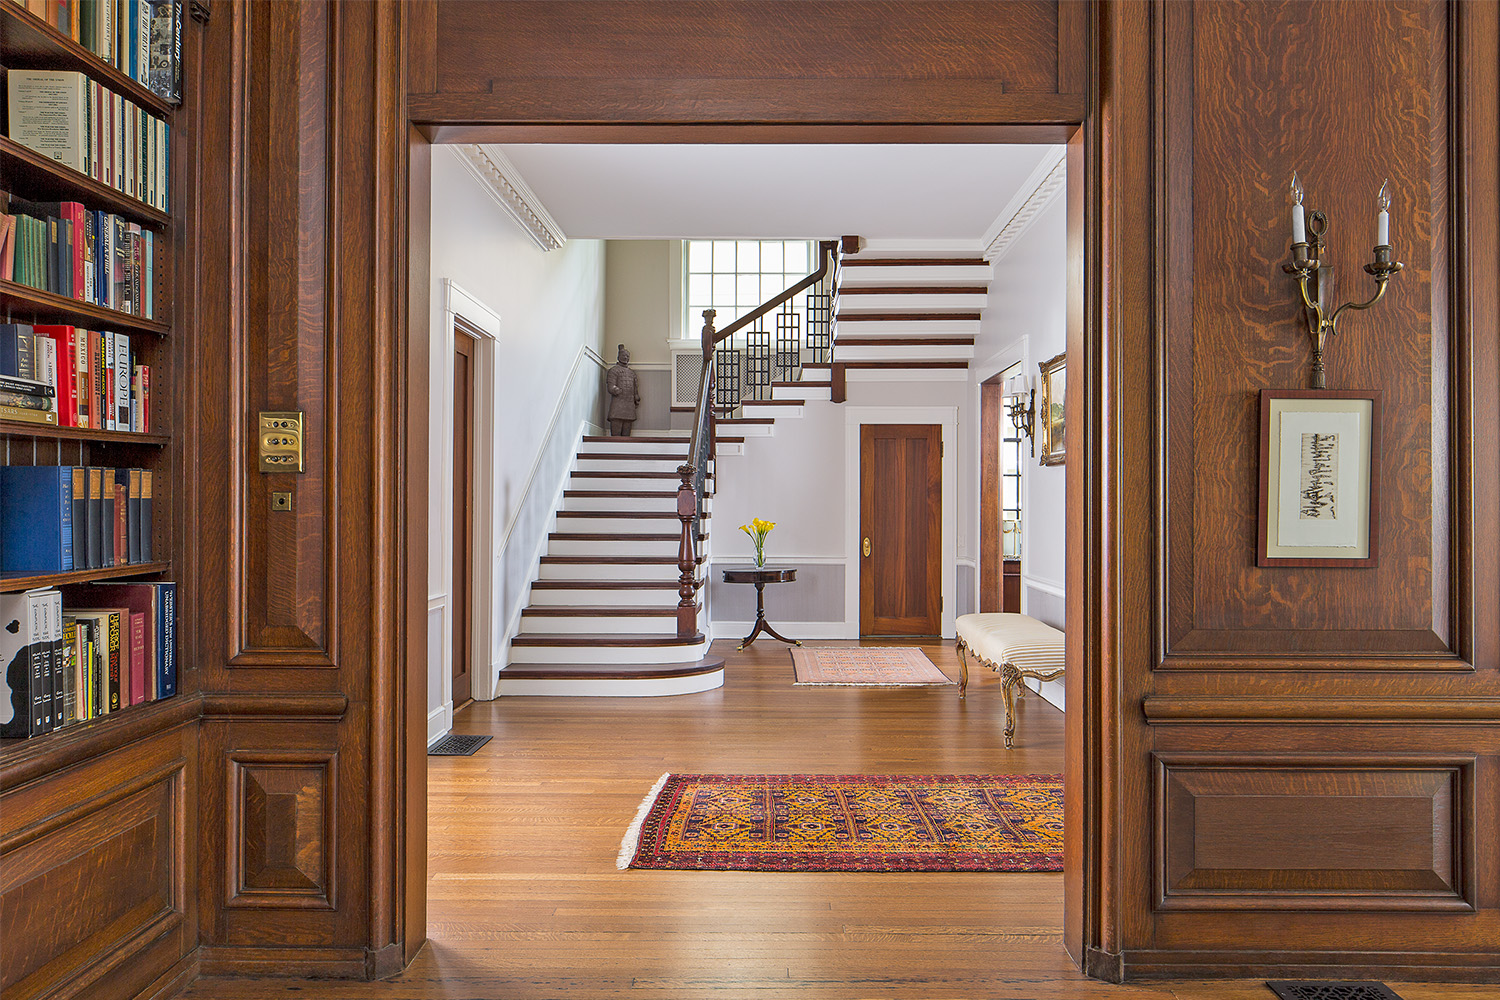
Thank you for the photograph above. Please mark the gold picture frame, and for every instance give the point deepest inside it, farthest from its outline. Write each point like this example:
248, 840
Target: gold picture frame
1051, 415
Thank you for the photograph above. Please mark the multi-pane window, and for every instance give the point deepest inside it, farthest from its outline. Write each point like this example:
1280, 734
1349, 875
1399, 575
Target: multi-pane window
735, 276
1010, 476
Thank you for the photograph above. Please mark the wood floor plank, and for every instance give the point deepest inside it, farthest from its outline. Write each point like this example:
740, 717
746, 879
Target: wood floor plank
525, 902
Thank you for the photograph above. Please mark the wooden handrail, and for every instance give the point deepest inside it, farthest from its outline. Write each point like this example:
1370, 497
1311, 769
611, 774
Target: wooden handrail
827, 254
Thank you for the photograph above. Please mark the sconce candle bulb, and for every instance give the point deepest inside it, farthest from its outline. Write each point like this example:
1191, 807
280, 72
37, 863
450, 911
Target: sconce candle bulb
1307, 260
1299, 225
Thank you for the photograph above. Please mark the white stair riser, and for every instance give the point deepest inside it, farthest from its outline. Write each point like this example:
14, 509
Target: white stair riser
587, 482
613, 546
626, 464
745, 430
615, 687
854, 276
806, 393
634, 446
589, 598
608, 654
621, 625
608, 571
903, 352
848, 327
727, 450
756, 411
606, 525
914, 302
653, 503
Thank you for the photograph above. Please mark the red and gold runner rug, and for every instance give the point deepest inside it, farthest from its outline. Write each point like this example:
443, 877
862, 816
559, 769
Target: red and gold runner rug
849, 823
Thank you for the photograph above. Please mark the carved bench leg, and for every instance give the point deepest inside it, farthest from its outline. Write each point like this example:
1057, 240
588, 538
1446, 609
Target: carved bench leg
1010, 678
963, 671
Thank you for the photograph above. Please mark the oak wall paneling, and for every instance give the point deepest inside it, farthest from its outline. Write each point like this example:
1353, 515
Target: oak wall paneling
1268, 689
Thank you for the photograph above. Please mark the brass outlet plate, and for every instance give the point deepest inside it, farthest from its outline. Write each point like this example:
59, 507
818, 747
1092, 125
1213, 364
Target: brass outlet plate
280, 441
281, 499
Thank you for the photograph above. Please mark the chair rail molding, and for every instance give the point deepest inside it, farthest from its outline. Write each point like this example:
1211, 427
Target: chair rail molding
1045, 184
511, 192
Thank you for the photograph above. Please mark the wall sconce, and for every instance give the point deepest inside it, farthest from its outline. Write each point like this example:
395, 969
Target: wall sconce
1022, 410
1307, 261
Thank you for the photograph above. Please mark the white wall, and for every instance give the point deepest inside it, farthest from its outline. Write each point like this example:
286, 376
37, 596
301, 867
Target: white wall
1026, 319
546, 387
642, 309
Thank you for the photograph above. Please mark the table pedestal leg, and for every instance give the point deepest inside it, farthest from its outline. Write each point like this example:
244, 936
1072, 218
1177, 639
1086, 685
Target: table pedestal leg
761, 625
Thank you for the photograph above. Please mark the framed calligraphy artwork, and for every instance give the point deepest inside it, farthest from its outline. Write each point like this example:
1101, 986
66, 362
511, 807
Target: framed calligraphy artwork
1319, 477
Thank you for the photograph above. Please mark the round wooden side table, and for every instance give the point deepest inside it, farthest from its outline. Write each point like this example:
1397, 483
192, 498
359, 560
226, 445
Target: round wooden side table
760, 577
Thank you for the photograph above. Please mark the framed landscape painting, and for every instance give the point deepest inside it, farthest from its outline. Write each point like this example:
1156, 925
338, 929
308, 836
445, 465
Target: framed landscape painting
1319, 477
1051, 414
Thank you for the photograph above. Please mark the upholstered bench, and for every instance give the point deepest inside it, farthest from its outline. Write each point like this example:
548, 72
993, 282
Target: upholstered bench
1017, 647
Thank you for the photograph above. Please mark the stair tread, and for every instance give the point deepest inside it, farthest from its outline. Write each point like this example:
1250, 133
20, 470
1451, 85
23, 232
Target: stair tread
771, 402
935, 341
609, 536
745, 420
915, 290
598, 611
610, 671
802, 385
896, 316
856, 261
613, 560
631, 514
603, 639
604, 584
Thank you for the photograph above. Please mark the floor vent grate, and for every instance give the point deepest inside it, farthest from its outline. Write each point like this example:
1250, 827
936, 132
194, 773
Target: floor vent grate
456, 745
1315, 990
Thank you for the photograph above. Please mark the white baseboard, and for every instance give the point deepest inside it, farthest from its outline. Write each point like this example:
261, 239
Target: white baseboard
1052, 692
439, 722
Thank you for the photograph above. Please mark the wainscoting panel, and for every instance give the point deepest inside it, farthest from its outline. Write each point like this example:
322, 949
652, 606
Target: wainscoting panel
282, 828
1382, 835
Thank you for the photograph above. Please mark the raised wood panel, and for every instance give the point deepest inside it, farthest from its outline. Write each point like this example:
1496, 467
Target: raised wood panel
1382, 835
812, 62
94, 887
1237, 125
282, 828
287, 356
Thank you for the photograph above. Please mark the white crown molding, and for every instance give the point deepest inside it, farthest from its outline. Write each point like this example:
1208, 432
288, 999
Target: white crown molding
1044, 184
505, 184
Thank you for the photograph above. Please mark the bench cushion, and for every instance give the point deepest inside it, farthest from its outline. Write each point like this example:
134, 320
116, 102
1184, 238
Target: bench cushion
1019, 640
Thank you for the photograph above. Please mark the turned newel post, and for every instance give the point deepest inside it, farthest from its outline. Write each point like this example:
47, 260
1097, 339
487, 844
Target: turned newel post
687, 554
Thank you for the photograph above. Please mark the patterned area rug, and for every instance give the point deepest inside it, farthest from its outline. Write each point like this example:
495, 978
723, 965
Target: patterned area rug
849, 823
865, 666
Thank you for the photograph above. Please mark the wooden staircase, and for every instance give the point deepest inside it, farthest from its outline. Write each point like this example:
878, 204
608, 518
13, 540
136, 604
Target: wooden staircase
602, 617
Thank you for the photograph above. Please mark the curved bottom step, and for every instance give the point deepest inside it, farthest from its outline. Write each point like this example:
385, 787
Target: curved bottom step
611, 680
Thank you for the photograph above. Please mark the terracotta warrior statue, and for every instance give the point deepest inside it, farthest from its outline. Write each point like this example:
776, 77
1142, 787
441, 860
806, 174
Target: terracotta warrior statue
624, 394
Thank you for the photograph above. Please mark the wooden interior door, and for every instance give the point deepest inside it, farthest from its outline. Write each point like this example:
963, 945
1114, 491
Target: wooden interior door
901, 529
463, 515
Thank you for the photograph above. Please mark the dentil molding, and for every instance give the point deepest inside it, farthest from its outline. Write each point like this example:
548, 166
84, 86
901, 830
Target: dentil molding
510, 191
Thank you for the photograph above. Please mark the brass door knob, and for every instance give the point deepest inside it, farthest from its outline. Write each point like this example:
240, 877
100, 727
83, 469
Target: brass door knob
867, 548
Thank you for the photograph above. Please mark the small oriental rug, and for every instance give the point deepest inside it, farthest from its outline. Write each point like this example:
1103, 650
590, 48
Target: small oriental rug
865, 666
849, 823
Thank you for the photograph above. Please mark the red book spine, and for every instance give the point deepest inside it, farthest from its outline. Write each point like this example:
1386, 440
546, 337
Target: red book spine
67, 404
122, 524
139, 682
73, 212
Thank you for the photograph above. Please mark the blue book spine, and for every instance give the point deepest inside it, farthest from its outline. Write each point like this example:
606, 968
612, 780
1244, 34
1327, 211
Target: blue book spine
36, 519
166, 640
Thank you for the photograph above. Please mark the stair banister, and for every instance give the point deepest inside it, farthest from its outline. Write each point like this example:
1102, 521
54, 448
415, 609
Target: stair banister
700, 451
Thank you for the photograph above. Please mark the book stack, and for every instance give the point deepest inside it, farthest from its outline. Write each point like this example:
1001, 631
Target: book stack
94, 257
99, 649
140, 38
81, 124
71, 377
65, 518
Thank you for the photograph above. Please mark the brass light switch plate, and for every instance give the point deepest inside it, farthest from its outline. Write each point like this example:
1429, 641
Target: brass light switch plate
281, 441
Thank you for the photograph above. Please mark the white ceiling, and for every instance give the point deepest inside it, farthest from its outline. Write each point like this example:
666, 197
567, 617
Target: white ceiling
883, 192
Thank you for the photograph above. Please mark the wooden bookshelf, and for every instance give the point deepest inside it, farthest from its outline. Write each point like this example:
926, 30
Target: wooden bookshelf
34, 304
31, 43
16, 584
21, 428
45, 179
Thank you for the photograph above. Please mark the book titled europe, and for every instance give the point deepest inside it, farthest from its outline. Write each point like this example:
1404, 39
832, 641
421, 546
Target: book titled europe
36, 519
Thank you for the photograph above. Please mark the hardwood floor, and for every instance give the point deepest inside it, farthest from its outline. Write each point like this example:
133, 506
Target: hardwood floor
525, 901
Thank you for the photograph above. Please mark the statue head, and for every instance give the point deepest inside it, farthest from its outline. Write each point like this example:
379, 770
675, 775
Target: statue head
622, 356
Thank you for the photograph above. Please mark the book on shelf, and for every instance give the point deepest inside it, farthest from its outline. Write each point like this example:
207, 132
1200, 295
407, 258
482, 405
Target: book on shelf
82, 652
61, 518
140, 38
78, 377
85, 126
90, 256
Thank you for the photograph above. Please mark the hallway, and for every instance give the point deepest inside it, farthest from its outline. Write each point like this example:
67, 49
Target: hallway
525, 902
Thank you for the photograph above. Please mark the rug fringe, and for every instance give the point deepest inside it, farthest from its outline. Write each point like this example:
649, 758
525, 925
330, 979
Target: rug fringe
633, 834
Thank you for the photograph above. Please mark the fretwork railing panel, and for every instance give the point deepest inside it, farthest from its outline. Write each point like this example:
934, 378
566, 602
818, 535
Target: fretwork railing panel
788, 361
728, 388
757, 369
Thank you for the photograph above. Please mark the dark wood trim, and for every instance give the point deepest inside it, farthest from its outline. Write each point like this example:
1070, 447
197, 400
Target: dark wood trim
611, 671
24, 301
24, 760
914, 289
19, 428
916, 262
44, 178
1209, 710
710, 133
902, 317
991, 572
16, 584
